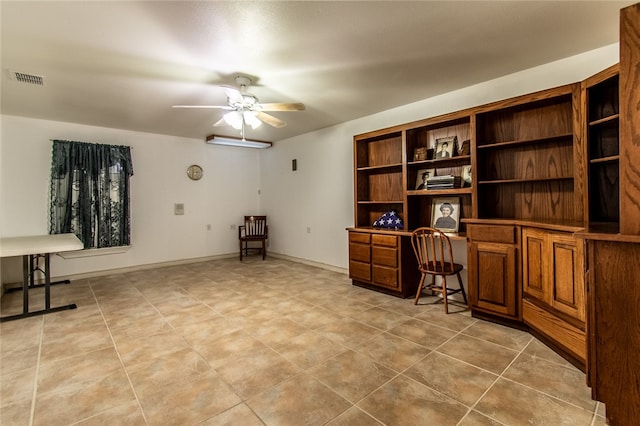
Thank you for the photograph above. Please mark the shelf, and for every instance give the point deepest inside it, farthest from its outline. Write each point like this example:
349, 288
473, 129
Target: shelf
508, 144
452, 191
501, 181
609, 159
379, 202
386, 167
605, 120
445, 161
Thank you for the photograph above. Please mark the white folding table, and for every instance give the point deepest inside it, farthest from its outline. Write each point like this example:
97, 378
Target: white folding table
29, 248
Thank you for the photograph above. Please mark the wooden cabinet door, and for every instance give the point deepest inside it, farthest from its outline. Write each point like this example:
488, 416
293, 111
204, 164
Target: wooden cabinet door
567, 288
492, 278
533, 274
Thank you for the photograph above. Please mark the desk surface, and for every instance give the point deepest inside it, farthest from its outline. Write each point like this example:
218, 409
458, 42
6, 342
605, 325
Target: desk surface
39, 244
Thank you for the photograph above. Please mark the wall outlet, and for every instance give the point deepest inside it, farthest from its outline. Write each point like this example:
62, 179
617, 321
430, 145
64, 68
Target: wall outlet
308, 229
178, 209
208, 227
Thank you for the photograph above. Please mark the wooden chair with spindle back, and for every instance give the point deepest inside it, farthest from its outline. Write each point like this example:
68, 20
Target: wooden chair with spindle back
435, 257
255, 229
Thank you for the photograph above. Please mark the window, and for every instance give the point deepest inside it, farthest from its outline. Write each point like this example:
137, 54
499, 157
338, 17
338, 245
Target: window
90, 192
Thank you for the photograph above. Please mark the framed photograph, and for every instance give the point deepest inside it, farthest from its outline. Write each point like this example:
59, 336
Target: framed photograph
466, 175
465, 148
423, 176
420, 154
446, 147
445, 214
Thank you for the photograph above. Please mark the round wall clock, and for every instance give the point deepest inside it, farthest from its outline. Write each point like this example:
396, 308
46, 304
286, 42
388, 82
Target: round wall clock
194, 172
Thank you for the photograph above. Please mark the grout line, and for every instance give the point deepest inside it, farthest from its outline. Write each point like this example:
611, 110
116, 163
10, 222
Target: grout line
37, 374
115, 347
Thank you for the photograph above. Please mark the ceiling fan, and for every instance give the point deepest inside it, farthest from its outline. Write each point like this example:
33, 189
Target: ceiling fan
245, 109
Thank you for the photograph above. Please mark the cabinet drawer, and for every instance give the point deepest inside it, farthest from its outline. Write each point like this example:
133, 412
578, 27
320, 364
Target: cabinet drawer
387, 277
359, 237
360, 252
492, 233
384, 240
359, 271
385, 256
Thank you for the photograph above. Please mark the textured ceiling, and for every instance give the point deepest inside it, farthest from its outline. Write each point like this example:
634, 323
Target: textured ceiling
123, 64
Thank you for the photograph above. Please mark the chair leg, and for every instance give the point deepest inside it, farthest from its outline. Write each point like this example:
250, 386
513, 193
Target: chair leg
240, 251
419, 289
264, 249
464, 295
445, 294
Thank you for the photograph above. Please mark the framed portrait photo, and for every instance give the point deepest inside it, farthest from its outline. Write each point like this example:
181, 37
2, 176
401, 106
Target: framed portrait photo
446, 147
466, 175
423, 176
445, 214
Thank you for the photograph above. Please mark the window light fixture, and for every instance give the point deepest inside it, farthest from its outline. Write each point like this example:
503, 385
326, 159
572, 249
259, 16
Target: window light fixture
229, 141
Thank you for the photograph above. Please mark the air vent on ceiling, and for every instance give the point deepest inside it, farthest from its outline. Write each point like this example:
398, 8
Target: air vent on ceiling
22, 77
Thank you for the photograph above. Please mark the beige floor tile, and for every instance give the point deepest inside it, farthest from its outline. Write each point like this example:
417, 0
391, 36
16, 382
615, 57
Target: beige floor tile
240, 415
505, 402
19, 359
308, 349
352, 375
348, 332
406, 402
299, 401
392, 351
275, 331
129, 414
482, 354
379, 318
473, 418
538, 350
171, 369
453, 321
499, 334
228, 348
354, 417
17, 386
256, 372
459, 380
79, 400
189, 403
563, 382
16, 414
423, 333
138, 350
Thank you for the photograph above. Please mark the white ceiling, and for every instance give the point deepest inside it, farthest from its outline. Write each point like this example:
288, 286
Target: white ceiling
123, 64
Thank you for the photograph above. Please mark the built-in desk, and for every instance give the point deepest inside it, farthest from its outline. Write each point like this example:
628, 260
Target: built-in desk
29, 247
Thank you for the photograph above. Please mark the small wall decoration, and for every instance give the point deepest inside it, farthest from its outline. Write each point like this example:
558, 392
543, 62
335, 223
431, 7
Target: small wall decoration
420, 154
446, 147
466, 175
423, 176
445, 214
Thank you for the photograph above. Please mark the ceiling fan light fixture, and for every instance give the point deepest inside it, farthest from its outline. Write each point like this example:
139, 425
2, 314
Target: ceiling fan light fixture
243, 143
233, 119
251, 118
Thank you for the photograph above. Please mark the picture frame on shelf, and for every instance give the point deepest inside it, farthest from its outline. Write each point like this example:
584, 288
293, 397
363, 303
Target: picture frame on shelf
423, 176
466, 175
465, 148
446, 147
420, 154
445, 214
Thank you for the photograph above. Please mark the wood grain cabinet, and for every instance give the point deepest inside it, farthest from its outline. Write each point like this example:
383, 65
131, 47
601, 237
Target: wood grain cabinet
553, 289
492, 263
383, 262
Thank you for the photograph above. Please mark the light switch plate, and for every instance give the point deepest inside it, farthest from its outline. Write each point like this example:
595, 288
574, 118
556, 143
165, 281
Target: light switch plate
178, 209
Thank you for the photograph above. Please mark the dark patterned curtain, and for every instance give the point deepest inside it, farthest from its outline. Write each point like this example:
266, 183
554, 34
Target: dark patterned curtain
90, 192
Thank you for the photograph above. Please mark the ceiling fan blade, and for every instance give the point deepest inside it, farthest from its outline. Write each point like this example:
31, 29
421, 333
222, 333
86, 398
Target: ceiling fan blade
233, 94
203, 106
220, 123
270, 120
279, 106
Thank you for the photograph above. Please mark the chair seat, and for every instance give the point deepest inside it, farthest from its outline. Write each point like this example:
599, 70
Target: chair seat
440, 269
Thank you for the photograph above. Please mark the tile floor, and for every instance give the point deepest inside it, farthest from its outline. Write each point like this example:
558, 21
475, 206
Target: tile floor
272, 343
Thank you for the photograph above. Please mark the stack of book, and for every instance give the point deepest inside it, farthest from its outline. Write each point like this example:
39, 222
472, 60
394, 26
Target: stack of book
444, 182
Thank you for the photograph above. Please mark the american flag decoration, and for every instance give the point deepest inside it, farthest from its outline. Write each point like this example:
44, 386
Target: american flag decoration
389, 220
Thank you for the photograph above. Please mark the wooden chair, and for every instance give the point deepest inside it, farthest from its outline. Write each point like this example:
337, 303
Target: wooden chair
435, 257
254, 229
